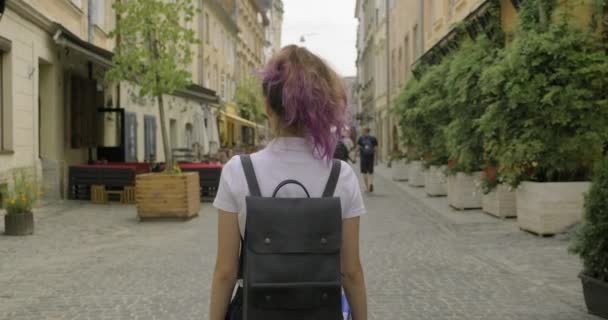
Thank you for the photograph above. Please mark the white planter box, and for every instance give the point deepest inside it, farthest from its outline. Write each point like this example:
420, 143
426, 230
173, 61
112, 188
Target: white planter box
464, 192
399, 170
435, 183
500, 202
416, 174
551, 207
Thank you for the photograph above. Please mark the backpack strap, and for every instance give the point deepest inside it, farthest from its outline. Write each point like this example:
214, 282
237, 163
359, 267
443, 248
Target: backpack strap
252, 181
334, 175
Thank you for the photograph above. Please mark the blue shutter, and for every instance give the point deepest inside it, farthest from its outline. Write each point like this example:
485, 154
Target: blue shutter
130, 137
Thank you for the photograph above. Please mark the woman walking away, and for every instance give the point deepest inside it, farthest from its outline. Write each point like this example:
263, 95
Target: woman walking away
288, 227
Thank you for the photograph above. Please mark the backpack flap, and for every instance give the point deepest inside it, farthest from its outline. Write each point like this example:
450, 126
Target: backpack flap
293, 240
294, 225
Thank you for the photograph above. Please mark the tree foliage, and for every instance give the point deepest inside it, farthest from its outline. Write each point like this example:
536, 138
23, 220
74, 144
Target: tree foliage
249, 99
464, 141
424, 113
154, 45
154, 48
547, 110
591, 241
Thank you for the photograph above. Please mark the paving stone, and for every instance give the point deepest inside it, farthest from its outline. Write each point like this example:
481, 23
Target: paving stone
99, 262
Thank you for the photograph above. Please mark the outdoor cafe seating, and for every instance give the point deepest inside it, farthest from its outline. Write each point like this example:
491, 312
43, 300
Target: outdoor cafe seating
105, 182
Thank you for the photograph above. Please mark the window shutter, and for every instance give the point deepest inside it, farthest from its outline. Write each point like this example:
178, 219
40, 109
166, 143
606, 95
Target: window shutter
130, 137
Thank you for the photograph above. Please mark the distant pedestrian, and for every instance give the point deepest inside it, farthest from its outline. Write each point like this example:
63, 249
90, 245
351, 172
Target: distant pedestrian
344, 147
367, 145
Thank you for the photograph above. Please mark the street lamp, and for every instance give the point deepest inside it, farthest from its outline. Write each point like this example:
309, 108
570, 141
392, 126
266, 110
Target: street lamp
303, 37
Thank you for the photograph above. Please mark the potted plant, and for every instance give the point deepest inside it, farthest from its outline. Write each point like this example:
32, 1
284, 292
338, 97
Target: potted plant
424, 112
498, 199
547, 122
591, 243
169, 194
463, 139
19, 200
399, 166
154, 52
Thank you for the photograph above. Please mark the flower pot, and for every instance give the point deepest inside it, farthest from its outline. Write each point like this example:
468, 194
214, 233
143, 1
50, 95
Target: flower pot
416, 174
500, 202
548, 208
464, 192
596, 295
435, 182
162, 195
399, 170
19, 224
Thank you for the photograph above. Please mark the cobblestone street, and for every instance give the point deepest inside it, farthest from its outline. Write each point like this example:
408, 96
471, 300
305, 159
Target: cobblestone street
422, 261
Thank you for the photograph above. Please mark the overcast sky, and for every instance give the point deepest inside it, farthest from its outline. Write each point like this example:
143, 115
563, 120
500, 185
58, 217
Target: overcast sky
330, 29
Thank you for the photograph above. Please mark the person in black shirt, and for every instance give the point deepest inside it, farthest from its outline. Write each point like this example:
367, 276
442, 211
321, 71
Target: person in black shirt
367, 145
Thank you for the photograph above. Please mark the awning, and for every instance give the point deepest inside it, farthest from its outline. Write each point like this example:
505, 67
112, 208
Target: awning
239, 120
63, 37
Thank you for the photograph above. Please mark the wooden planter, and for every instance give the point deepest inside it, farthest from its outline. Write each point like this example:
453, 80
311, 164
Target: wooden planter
464, 192
500, 202
19, 224
435, 182
416, 174
399, 170
548, 208
596, 296
162, 195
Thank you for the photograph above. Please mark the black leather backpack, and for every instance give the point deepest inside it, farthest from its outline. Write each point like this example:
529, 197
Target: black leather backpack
291, 253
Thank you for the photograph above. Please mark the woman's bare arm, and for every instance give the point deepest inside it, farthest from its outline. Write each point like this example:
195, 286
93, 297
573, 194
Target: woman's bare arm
352, 272
226, 265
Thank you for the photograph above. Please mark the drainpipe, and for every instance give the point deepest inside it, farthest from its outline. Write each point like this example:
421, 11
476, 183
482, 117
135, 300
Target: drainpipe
388, 73
90, 13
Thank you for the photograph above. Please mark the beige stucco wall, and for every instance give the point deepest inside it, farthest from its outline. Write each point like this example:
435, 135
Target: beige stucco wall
251, 39
30, 46
178, 108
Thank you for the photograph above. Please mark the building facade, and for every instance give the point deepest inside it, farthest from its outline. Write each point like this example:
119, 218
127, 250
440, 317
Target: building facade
251, 22
414, 29
273, 9
57, 109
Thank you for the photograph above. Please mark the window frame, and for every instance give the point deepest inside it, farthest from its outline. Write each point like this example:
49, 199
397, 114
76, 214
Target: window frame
6, 136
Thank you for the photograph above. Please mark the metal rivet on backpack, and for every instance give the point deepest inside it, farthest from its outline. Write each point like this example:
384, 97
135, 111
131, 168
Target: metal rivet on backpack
323, 241
325, 296
267, 241
267, 298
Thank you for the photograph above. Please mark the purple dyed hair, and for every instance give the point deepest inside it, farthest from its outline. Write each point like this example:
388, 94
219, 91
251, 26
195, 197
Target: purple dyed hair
306, 94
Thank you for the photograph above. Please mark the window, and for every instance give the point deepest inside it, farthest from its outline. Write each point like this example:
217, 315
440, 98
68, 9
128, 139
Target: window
416, 39
406, 58
3, 112
189, 135
451, 8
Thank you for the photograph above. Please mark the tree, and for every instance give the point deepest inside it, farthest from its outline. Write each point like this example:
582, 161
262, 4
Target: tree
154, 50
249, 99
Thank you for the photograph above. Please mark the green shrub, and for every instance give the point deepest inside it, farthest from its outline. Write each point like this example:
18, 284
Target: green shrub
463, 140
423, 113
591, 240
547, 116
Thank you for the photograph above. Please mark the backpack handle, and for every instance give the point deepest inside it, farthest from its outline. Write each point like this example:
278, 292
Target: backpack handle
286, 182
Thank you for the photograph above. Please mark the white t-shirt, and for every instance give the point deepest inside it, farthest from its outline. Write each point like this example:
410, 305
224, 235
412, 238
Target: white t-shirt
282, 159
